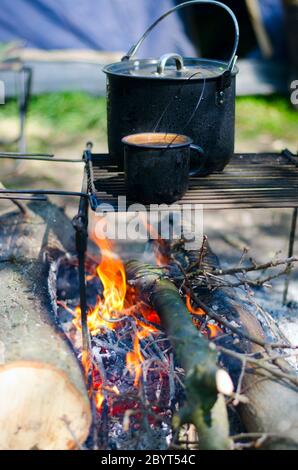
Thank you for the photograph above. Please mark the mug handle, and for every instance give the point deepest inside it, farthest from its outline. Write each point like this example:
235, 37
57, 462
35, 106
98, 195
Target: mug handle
203, 158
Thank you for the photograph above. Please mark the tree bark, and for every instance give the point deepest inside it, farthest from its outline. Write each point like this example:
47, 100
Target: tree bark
44, 402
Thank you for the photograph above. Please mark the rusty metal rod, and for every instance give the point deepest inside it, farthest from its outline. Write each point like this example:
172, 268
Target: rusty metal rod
290, 253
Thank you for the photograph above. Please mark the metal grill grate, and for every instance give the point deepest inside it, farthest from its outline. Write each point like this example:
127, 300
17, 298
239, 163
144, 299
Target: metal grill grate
264, 180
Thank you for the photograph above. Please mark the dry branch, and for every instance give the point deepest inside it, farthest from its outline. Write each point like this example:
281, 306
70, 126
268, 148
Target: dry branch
255, 267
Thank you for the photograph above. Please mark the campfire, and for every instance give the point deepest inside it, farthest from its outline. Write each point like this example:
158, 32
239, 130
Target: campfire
179, 353
164, 349
136, 383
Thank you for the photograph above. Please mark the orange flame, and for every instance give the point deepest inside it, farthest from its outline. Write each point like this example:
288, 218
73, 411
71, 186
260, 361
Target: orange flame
111, 272
118, 300
86, 362
99, 388
112, 275
214, 330
99, 398
191, 309
134, 360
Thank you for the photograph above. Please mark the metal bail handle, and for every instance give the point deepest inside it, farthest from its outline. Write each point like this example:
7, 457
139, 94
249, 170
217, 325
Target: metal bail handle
133, 50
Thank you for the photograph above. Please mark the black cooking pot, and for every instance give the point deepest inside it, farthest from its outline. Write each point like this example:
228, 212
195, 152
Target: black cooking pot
194, 97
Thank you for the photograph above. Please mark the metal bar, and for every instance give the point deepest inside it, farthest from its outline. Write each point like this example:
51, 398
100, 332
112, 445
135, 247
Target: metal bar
46, 192
40, 158
80, 224
286, 205
211, 184
290, 253
237, 157
23, 198
243, 174
291, 201
225, 195
81, 246
23, 154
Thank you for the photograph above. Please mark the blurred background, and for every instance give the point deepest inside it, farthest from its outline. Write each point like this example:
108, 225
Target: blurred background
52, 53
65, 43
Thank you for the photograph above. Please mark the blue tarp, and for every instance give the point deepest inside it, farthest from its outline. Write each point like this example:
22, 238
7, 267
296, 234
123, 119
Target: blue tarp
108, 25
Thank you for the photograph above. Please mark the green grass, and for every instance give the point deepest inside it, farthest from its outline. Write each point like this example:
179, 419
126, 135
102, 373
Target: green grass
73, 114
267, 115
66, 112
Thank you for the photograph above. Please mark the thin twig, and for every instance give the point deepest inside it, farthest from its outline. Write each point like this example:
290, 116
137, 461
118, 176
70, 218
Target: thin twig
255, 267
212, 314
236, 400
259, 363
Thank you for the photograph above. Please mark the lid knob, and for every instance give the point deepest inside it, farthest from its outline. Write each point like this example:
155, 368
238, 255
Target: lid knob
165, 58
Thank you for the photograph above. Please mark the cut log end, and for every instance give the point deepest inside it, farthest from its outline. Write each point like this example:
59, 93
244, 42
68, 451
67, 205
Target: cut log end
40, 408
43, 396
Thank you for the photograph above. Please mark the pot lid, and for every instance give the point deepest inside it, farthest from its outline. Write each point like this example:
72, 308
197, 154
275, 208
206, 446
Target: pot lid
169, 66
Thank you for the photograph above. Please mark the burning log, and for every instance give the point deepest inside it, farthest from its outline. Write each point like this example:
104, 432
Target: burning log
44, 402
204, 408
